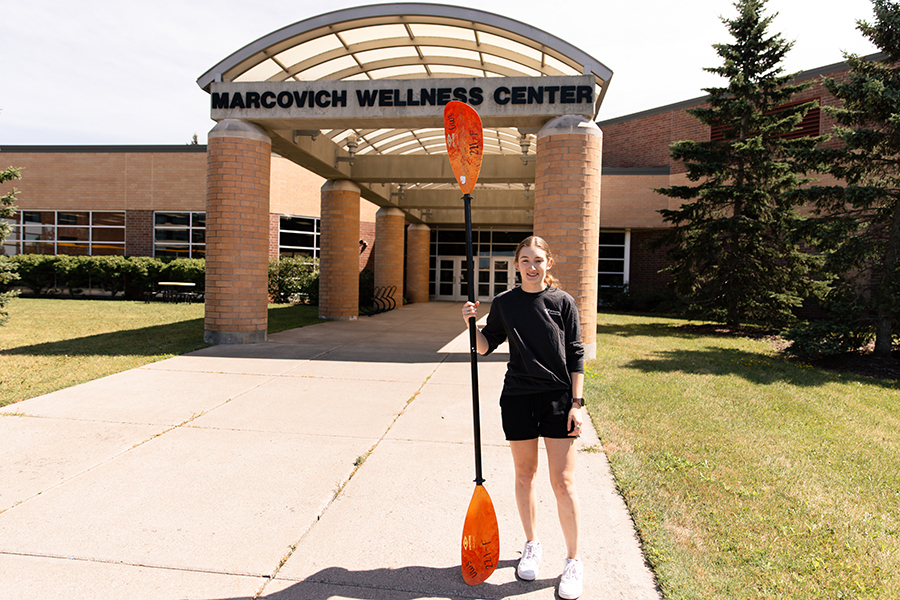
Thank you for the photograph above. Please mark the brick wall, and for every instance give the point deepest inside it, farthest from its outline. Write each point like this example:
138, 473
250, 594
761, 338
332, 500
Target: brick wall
57, 178
367, 234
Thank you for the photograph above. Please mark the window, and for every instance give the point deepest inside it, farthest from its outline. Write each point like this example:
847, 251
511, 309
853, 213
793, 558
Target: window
88, 233
485, 243
612, 268
298, 236
809, 126
179, 234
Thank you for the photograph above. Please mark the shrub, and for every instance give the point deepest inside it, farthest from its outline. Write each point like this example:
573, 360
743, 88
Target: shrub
75, 272
846, 327
190, 270
294, 279
110, 273
37, 272
142, 276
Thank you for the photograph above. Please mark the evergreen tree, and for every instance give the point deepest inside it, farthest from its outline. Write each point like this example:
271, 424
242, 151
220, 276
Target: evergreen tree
733, 254
8, 273
857, 225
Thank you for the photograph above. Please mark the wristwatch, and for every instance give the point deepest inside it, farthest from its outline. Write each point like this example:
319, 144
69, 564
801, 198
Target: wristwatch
580, 401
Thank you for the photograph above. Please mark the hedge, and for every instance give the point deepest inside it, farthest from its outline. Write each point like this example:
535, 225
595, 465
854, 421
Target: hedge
53, 275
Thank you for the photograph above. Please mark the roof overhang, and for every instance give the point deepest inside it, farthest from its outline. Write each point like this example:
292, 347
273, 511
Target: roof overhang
374, 79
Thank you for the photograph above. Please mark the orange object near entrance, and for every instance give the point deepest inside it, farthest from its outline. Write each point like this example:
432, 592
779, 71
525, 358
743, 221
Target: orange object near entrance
481, 539
465, 143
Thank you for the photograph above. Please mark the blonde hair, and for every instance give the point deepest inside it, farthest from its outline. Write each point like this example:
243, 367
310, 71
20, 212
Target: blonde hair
534, 241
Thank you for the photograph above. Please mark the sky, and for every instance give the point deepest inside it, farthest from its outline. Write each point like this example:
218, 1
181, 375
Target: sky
114, 72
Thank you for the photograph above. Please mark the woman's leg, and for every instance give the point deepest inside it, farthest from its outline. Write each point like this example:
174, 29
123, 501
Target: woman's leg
561, 460
525, 459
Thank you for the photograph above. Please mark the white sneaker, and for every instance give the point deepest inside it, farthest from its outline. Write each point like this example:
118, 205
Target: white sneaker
571, 583
530, 561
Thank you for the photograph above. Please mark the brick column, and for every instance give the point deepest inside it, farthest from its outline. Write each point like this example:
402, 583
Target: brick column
390, 238
139, 233
237, 233
567, 211
418, 253
339, 256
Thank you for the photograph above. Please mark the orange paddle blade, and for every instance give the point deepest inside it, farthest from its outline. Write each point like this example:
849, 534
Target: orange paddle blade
465, 143
481, 539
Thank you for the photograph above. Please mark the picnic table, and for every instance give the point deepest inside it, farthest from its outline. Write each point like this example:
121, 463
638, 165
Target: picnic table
176, 291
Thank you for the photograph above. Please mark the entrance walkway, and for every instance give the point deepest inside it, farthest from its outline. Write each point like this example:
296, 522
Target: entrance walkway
333, 461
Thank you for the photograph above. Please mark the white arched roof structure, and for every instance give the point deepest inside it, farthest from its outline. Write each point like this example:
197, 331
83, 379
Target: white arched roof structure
410, 41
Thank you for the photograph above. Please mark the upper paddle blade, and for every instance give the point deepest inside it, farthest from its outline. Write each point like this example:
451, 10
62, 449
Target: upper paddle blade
465, 143
481, 539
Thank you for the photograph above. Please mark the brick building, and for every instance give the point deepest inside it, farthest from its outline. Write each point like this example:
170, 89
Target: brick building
357, 174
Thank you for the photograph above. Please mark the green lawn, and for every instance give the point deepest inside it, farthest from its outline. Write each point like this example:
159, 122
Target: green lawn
749, 476
51, 344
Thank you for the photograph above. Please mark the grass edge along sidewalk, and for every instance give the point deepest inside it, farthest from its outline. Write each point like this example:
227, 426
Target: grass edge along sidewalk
52, 344
748, 476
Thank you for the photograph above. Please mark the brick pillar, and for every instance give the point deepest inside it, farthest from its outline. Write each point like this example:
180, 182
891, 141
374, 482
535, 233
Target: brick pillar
237, 233
567, 211
139, 233
339, 256
390, 237
418, 253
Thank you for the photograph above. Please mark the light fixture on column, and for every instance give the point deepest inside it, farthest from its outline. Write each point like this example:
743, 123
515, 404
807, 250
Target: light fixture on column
399, 193
525, 145
528, 193
310, 133
352, 142
425, 213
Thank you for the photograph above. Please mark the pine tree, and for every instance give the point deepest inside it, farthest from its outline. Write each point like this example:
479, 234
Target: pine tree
857, 225
733, 254
8, 273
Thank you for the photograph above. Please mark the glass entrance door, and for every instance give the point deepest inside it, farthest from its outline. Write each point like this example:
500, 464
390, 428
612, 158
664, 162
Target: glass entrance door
494, 275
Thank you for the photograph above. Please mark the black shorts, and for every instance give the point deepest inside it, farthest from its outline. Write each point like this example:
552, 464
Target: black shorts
542, 414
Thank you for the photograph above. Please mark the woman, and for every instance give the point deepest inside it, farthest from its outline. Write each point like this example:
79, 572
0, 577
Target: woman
542, 397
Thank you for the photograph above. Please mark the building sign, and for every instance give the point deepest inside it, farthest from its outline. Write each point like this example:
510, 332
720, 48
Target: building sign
407, 102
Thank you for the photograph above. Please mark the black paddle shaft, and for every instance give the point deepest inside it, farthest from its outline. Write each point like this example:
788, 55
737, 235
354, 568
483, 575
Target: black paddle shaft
473, 341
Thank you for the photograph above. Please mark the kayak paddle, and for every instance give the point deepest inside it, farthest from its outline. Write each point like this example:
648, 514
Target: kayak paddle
481, 534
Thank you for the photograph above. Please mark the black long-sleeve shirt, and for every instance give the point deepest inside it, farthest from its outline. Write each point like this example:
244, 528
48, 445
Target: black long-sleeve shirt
544, 339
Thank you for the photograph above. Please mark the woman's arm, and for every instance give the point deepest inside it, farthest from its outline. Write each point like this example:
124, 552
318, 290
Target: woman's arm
575, 415
471, 310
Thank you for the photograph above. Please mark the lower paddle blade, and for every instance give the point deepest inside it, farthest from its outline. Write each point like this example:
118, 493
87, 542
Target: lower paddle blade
481, 539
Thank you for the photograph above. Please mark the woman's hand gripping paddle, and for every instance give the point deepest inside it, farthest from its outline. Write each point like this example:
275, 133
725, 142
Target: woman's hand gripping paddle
481, 535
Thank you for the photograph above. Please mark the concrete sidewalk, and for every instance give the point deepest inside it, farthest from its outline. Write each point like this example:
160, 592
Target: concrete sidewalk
333, 461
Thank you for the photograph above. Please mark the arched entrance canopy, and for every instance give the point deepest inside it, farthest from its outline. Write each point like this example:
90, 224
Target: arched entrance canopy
397, 165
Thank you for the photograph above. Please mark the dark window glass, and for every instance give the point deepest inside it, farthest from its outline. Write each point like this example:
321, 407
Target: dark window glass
108, 219
45, 218
611, 266
107, 250
72, 249
72, 218
303, 240
612, 238
298, 224
612, 251
172, 235
173, 219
